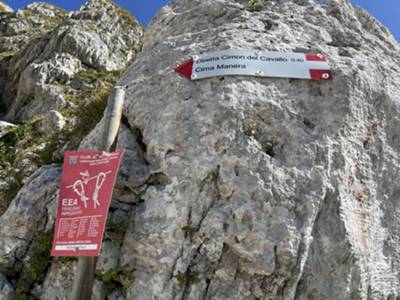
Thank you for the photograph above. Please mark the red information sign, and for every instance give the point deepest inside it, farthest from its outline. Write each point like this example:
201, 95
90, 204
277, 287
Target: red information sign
85, 193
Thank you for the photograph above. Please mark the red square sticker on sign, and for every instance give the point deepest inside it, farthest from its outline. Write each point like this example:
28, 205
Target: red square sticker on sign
87, 183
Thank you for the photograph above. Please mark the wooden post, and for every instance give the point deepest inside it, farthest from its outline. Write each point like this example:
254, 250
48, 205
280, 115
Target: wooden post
85, 270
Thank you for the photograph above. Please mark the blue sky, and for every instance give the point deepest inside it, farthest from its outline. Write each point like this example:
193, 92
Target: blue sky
386, 11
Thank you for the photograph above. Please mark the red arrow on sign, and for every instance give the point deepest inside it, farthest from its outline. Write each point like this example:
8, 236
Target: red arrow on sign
186, 68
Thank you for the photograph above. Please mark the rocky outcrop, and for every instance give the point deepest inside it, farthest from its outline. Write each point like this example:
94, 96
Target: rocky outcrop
49, 73
58, 81
16, 28
302, 206
25, 234
231, 187
4, 8
6, 289
56, 72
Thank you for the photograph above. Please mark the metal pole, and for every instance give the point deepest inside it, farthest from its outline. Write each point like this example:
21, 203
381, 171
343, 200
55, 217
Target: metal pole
112, 118
85, 270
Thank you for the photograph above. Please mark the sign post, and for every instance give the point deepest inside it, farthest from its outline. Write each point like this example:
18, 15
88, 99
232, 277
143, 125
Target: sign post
85, 271
89, 177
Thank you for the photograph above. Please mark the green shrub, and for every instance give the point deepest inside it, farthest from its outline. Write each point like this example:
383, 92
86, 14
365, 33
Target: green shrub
88, 115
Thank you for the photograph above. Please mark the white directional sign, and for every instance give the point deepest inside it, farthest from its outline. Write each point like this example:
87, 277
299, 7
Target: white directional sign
256, 63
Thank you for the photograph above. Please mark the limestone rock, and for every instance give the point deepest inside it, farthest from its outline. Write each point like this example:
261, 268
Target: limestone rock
109, 259
4, 8
134, 170
4, 126
53, 121
99, 290
111, 31
16, 28
58, 282
56, 71
24, 165
313, 219
26, 216
232, 187
116, 295
93, 139
49, 73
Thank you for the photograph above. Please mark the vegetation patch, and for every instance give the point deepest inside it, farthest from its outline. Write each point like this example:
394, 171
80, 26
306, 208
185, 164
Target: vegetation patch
115, 278
7, 54
25, 140
9, 191
158, 178
189, 231
126, 16
255, 5
88, 115
269, 145
187, 279
103, 75
250, 129
91, 100
35, 269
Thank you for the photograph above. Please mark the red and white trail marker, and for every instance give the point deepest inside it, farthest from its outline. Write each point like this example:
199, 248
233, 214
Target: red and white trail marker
85, 194
256, 63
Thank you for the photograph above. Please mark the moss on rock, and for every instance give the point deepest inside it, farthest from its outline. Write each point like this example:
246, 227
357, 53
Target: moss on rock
115, 278
36, 267
92, 101
255, 5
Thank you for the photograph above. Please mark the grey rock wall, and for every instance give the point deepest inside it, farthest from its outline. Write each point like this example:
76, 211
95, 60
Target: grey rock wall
302, 206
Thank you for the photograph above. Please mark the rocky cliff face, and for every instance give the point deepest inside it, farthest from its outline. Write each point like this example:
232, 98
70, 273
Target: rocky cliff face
56, 72
272, 188
231, 187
